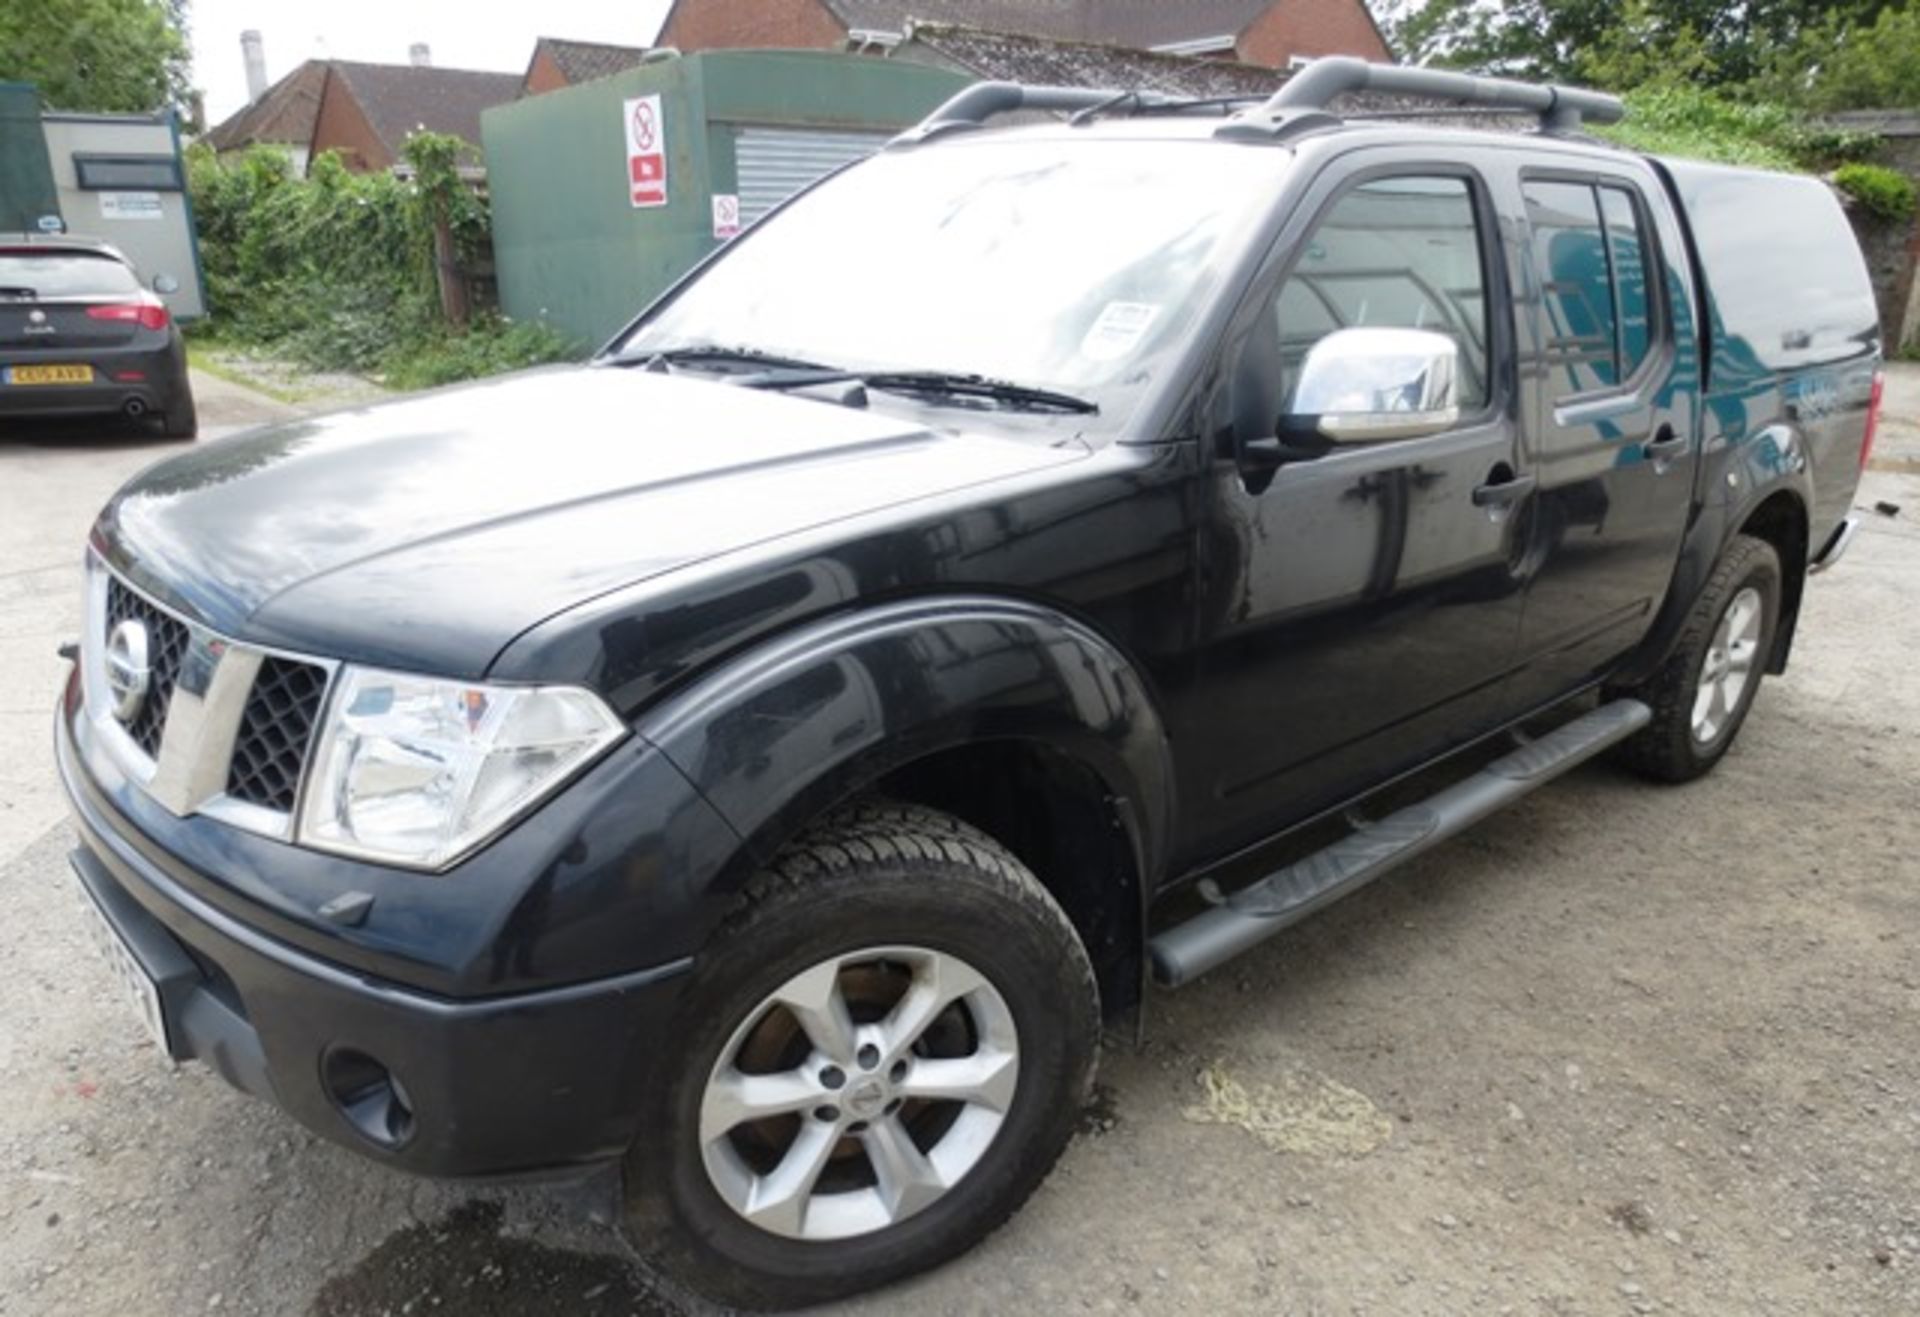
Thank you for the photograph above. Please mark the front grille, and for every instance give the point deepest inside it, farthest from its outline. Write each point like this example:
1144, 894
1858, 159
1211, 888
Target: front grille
275, 730
167, 640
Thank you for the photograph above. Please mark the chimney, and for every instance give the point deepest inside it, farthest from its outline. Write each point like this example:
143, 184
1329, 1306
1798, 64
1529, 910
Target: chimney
420, 55
255, 54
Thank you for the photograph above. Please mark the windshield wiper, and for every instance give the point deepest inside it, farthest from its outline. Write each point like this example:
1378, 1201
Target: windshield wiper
19, 292
926, 383
941, 383
769, 370
717, 354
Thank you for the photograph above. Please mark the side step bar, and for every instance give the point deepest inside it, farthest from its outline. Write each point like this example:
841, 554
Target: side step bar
1248, 917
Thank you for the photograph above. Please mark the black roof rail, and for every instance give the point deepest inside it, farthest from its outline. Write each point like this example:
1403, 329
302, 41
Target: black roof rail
972, 106
1302, 103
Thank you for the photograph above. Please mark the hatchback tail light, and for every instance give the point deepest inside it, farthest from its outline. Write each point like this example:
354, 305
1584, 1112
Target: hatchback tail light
1873, 417
147, 315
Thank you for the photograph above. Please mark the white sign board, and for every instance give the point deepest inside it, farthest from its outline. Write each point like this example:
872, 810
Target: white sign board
130, 206
726, 216
646, 151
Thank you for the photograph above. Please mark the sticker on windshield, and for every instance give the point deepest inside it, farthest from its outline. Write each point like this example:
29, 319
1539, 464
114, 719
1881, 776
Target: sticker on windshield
1118, 331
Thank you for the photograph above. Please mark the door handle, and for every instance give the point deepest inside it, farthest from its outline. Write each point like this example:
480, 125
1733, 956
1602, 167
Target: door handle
1664, 446
1504, 493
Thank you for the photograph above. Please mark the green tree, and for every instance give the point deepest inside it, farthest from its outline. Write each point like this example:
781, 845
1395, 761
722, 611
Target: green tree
1845, 62
105, 56
1729, 43
1645, 48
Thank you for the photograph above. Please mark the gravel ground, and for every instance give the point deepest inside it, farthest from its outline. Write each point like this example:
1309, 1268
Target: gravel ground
289, 382
1620, 1050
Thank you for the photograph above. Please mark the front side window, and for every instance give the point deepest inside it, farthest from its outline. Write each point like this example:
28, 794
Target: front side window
1401, 253
1078, 268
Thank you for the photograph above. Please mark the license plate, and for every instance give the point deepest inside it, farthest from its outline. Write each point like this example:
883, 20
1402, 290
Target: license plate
50, 374
135, 984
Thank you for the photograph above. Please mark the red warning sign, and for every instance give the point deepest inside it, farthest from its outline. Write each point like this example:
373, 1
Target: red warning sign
646, 151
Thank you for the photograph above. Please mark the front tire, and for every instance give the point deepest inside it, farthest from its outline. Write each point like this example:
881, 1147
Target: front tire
1701, 695
877, 1060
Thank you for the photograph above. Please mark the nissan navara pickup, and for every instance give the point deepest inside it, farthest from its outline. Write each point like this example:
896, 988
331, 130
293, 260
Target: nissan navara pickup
1034, 561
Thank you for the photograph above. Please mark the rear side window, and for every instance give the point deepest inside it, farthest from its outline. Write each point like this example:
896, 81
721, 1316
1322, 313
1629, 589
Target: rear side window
1592, 255
1399, 252
1627, 249
1786, 284
1570, 259
52, 274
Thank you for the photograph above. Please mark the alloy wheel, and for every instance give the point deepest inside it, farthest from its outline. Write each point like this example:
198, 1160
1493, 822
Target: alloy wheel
1728, 666
859, 1093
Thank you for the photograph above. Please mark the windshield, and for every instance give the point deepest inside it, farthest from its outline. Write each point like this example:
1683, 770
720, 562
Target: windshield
51, 274
1070, 267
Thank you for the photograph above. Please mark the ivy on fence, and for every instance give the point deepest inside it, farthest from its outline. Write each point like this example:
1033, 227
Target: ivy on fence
342, 271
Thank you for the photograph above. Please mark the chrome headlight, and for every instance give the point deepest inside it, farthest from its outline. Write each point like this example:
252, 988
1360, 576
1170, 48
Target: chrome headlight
418, 772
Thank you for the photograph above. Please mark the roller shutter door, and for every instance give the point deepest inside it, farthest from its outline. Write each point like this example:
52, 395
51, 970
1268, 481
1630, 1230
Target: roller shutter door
774, 163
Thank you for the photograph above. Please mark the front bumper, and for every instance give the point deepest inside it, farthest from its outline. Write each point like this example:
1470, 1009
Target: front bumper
494, 1085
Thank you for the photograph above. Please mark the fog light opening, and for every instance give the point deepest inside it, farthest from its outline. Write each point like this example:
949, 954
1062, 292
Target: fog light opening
369, 1095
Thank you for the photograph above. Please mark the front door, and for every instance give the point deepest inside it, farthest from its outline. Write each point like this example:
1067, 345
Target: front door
1614, 430
1359, 610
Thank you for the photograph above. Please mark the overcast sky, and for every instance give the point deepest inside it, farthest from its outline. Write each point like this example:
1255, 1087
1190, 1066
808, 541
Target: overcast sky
464, 34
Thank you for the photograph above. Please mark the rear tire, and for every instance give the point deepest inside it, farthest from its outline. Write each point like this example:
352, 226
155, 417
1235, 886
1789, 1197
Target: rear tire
992, 981
180, 420
1701, 695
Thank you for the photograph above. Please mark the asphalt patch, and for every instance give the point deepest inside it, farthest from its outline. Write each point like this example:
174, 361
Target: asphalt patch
463, 1264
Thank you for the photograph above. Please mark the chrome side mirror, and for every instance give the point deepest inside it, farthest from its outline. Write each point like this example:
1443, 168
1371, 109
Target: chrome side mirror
165, 283
1368, 385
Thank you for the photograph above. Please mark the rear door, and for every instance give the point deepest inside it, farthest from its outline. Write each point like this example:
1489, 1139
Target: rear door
1611, 396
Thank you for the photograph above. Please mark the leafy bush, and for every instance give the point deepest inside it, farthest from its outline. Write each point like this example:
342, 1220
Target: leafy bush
1678, 120
1886, 194
489, 346
336, 270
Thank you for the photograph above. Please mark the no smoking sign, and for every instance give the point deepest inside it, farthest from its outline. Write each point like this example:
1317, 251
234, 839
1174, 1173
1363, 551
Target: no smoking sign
646, 151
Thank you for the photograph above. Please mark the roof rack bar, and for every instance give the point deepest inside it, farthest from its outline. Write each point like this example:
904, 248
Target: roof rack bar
972, 106
1561, 109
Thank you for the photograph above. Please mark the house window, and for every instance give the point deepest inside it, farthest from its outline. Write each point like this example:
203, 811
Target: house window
127, 173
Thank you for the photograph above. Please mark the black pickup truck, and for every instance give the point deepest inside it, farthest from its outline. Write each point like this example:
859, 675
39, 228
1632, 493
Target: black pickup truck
1033, 561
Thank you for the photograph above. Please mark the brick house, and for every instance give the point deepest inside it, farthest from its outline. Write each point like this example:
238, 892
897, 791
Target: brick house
1274, 33
362, 111
557, 63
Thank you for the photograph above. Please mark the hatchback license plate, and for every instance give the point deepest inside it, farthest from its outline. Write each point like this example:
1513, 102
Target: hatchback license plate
136, 985
49, 374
